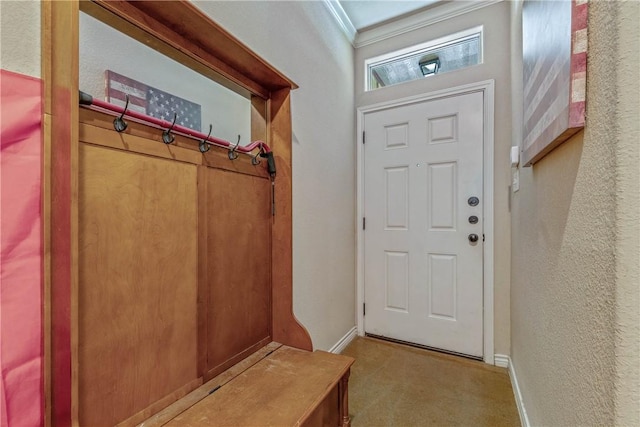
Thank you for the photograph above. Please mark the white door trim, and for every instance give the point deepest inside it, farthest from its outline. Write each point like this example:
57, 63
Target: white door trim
487, 87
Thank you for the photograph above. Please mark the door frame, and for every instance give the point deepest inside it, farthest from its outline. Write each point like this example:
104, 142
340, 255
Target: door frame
487, 87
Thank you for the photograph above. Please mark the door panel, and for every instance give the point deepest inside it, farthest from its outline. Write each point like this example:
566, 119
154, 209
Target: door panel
423, 276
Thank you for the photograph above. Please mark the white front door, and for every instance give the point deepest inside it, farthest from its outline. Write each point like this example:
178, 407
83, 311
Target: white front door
423, 205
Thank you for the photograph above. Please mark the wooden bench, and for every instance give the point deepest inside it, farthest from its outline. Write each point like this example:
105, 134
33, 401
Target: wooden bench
276, 386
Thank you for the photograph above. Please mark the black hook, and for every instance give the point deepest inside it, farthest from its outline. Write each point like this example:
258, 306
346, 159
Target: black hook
118, 123
255, 161
167, 136
204, 146
232, 152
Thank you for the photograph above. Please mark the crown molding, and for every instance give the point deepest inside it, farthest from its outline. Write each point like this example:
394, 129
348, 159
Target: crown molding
418, 20
342, 19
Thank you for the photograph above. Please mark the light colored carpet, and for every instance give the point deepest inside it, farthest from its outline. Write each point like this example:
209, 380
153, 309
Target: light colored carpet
397, 385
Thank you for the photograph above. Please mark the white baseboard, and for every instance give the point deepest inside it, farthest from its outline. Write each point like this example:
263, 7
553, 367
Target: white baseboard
344, 341
524, 419
501, 360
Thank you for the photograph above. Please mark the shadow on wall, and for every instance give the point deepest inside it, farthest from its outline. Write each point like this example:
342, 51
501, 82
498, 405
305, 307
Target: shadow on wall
563, 255
554, 181
545, 199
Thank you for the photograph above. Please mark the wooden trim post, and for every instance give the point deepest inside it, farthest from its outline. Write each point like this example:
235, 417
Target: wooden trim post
286, 328
60, 41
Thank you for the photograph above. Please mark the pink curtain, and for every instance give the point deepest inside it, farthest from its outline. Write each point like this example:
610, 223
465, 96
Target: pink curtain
21, 339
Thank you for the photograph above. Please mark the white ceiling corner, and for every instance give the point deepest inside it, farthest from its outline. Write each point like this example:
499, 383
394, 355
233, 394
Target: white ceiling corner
367, 13
343, 19
442, 12
381, 14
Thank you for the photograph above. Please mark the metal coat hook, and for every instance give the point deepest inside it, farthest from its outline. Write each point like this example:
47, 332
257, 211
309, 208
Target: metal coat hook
167, 136
204, 146
255, 161
232, 152
118, 123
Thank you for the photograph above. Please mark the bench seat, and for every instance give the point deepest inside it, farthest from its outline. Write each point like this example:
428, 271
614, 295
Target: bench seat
284, 387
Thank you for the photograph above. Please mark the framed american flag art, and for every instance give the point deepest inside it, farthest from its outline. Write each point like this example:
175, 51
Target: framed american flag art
554, 42
151, 101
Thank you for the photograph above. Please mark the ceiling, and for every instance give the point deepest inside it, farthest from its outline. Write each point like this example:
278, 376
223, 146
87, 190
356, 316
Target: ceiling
366, 13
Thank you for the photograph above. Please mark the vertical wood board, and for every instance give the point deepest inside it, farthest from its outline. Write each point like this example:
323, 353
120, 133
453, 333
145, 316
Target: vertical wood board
238, 263
286, 328
60, 73
137, 282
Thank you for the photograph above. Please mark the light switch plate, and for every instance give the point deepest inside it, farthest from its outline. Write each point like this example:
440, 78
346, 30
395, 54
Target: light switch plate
515, 156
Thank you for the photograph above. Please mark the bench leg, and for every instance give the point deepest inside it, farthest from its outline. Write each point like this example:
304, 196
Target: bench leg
344, 399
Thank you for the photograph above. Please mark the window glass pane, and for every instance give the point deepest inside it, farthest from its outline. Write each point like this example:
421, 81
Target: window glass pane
426, 62
112, 63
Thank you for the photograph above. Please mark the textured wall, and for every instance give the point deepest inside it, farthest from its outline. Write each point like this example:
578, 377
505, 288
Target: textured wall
569, 307
20, 37
303, 41
627, 133
495, 19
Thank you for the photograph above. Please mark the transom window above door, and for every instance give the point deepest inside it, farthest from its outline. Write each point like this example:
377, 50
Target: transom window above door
449, 53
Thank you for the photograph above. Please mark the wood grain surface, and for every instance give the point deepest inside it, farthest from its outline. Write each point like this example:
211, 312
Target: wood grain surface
238, 264
284, 389
124, 330
286, 328
138, 282
143, 139
170, 412
60, 37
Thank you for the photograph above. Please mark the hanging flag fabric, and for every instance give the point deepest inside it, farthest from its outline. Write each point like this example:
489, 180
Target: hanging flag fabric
21, 339
152, 102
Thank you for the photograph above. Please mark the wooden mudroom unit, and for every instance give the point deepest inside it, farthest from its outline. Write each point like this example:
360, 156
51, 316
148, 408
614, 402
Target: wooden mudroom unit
168, 254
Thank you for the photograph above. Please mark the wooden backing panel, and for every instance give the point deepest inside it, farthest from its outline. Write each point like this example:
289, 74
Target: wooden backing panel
203, 391
161, 404
286, 328
203, 281
283, 389
60, 70
218, 159
239, 242
127, 142
145, 139
138, 274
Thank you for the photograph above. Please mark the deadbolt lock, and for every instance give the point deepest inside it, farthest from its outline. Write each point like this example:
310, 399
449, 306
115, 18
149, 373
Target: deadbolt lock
473, 219
473, 201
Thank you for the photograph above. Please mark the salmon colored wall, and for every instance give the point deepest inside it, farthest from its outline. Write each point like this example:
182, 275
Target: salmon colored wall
21, 343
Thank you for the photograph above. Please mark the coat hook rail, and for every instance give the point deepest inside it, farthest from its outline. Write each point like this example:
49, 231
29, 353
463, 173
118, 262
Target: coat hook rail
88, 101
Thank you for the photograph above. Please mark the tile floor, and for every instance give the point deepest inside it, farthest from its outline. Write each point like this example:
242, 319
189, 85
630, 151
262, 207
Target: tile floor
401, 386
